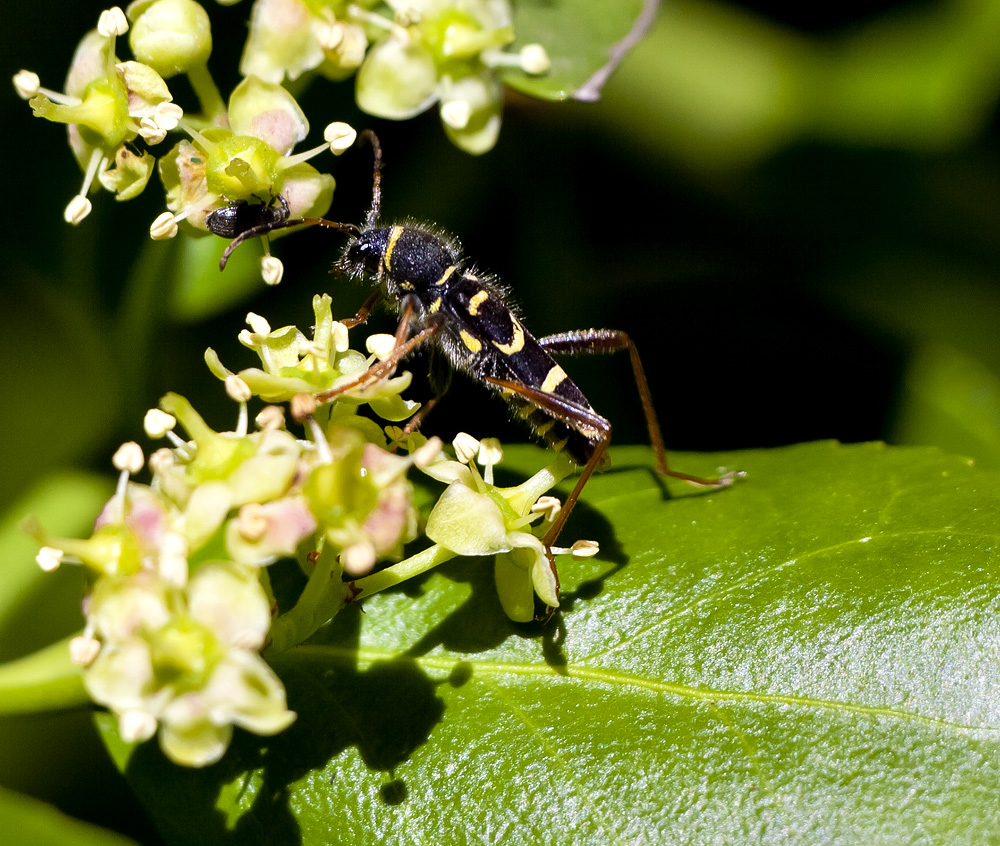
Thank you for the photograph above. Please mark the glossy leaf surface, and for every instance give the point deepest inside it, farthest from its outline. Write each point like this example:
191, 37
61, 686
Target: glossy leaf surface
812, 654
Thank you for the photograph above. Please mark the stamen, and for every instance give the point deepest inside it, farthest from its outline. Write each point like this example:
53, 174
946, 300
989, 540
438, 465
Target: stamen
157, 423
27, 84
364, 16
490, 454
77, 209
358, 559
237, 389
271, 417
534, 59
381, 345
129, 458
425, 455
330, 34
112, 23
547, 505
319, 438
585, 549
135, 725
83, 650
49, 558
456, 113
168, 115
164, 227
340, 136
251, 522
271, 270
466, 447
150, 132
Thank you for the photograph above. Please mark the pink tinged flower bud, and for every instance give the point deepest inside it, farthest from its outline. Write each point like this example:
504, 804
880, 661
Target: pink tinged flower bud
263, 533
267, 112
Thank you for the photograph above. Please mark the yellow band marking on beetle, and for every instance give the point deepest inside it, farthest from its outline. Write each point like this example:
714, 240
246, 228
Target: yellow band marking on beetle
470, 341
394, 234
552, 379
517, 342
541, 430
446, 275
435, 306
477, 301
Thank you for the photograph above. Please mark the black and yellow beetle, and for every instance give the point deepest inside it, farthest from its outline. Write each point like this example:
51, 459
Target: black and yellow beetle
443, 300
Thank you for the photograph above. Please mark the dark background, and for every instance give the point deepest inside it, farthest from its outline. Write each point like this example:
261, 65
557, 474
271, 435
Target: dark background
792, 208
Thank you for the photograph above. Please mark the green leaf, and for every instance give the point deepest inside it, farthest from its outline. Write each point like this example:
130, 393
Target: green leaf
28, 822
810, 656
585, 40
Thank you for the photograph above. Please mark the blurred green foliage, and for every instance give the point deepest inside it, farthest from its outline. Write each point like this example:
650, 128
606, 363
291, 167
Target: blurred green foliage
795, 217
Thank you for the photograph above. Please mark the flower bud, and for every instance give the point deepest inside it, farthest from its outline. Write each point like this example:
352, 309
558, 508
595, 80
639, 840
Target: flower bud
171, 36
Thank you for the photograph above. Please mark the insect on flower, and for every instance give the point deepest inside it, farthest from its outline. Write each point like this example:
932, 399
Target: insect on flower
238, 217
443, 300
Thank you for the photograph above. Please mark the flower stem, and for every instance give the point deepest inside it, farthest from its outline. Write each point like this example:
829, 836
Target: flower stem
407, 569
212, 104
46, 680
321, 599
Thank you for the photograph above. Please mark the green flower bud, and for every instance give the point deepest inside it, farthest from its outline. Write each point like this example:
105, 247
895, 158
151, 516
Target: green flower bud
171, 36
398, 79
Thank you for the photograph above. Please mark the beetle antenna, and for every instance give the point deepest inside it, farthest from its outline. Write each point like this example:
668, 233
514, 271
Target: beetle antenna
375, 210
265, 228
